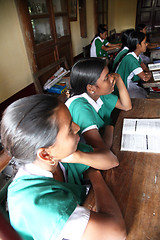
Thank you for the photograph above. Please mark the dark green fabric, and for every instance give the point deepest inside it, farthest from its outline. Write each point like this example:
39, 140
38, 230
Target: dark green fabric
40, 206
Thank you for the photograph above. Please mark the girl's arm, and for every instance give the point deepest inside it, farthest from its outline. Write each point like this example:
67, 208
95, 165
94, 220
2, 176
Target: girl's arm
101, 159
145, 76
107, 222
124, 101
111, 46
144, 67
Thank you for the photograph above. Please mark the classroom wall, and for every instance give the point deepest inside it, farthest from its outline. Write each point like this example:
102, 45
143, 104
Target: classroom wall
77, 42
121, 14
15, 71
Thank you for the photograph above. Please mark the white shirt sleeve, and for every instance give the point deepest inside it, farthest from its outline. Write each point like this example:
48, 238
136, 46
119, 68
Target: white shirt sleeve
76, 224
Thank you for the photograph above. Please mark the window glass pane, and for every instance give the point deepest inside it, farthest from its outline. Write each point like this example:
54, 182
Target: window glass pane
59, 5
41, 30
61, 26
37, 7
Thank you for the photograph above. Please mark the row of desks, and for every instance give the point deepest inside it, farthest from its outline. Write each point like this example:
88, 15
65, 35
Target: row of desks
135, 183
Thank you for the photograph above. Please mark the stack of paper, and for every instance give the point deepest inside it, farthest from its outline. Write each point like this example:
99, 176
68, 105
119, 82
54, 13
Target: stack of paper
156, 75
55, 78
154, 66
141, 135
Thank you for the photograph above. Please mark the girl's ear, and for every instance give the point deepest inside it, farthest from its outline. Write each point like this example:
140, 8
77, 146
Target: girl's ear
43, 154
91, 88
138, 45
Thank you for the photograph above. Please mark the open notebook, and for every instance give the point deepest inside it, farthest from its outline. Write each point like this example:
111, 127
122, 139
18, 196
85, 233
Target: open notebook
141, 135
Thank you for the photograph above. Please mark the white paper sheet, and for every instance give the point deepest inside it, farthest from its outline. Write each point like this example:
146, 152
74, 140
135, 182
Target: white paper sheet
141, 135
156, 75
154, 66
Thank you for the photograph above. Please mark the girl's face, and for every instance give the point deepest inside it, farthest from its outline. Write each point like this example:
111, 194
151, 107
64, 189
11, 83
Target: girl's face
143, 46
103, 35
105, 83
67, 137
144, 30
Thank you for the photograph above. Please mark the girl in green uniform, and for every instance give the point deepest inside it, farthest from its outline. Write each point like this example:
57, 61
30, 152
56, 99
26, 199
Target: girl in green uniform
131, 69
124, 50
100, 45
46, 196
93, 101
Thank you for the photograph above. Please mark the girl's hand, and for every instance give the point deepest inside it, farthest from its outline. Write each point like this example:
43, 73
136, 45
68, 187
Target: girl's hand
147, 76
116, 77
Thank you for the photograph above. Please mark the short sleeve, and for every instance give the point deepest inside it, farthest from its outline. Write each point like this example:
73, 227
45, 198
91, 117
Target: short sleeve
134, 66
110, 101
82, 114
76, 224
106, 42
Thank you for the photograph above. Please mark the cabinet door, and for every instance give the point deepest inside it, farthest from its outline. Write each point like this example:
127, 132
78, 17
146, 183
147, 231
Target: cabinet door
45, 26
148, 12
61, 18
101, 13
65, 50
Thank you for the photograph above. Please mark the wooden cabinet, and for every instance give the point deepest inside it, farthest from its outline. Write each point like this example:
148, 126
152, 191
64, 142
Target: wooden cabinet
46, 30
148, 12
101, 13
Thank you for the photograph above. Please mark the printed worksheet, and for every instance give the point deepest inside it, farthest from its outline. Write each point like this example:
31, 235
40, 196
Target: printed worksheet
156, 75
141, 135
154, 66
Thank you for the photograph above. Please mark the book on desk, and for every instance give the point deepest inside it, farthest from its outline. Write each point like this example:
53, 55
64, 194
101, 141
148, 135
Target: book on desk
141, 135
52, 85
58, 88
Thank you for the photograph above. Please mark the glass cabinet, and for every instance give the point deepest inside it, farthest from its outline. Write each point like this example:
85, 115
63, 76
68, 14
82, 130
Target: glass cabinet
61, 15
48, 38
40, 20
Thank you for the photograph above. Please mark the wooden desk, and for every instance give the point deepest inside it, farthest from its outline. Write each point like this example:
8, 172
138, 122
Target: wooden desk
136, 182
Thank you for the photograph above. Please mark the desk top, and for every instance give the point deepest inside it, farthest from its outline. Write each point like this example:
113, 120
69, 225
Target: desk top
135, 183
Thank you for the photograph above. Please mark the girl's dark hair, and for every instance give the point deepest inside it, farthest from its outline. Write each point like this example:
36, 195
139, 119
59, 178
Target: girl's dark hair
84, 72
101, 29
140, 27
134, 39
125, 36
29, 124
124, 40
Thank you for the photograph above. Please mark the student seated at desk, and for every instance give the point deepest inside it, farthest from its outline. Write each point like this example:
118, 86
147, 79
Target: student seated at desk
143, 28
100, 44
93, 102
124, 49
46, 195
131, 67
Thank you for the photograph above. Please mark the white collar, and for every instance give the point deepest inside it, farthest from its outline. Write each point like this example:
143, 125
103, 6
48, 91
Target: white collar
125, 48
134, 55
32, 169
102, 40
96, 105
